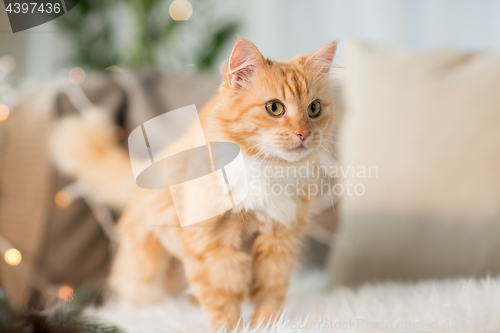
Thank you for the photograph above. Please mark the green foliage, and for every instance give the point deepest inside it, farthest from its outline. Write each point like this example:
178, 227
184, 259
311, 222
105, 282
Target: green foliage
63, 318
207, 57
98, 29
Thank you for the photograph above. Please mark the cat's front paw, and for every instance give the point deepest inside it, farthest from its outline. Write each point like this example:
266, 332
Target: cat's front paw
228, 324
264, 314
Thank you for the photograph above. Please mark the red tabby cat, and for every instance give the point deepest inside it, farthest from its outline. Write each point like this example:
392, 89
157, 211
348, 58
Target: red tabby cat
279, 113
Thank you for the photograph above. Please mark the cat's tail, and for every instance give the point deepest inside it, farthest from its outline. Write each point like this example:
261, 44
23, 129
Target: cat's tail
83, 147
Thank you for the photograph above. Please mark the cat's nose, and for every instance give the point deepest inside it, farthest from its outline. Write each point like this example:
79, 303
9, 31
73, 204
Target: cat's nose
303, 134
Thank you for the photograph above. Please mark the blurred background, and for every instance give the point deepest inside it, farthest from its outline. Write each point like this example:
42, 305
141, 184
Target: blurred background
138, 58
143, 33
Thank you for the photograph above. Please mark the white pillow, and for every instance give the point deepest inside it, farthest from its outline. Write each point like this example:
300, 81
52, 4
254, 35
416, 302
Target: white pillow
430, 124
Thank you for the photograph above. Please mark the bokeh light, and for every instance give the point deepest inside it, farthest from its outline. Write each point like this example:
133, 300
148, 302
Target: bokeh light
114, 68
4, 112
7, 64
181, 10
13, 257
62, 198
77, 75
65, 293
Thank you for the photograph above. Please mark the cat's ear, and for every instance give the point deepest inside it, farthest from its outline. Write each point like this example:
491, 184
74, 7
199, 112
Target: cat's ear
244, 62
321, 60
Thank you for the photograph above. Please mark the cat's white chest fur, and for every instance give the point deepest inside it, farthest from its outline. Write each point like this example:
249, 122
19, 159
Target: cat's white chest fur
273, 192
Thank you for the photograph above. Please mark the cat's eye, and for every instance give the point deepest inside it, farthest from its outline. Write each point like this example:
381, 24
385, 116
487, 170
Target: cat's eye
275, 108
314, 109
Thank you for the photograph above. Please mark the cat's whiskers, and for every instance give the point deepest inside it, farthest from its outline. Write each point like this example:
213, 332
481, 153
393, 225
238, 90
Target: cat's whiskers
345, 149
254, 146
341, 146
246, 226
266, 156
331, 151
330, 154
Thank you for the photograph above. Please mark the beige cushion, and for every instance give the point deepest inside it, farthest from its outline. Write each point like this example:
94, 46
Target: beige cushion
430, 123
25, 189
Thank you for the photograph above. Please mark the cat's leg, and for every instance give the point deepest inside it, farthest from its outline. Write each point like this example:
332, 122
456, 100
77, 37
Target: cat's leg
138, 271
274, 256
217, 270
175, 282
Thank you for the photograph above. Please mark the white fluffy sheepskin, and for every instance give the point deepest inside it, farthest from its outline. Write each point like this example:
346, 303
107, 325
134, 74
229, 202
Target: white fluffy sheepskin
432, 306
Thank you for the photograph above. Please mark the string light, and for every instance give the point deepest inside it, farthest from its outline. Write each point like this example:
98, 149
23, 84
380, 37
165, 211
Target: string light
77, 75
180, 10
62, 198
65, 293
4, 112
13, 257
114, 68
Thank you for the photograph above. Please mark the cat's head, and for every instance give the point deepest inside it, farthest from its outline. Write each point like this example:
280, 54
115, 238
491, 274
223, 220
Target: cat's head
277, 109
